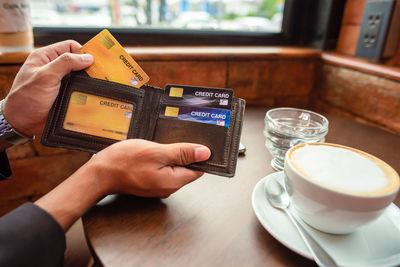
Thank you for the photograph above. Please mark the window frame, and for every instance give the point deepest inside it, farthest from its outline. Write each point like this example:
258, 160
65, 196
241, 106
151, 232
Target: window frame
295, 31
159, 37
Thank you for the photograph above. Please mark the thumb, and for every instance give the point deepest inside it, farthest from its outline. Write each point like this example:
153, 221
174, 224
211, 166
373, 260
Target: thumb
184, 153
68, 62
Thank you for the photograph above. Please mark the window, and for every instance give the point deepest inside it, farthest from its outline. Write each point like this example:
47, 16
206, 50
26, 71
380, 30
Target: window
190, 22
160, 22
227, 15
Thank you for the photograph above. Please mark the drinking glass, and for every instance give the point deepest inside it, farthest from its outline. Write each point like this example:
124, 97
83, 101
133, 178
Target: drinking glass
287, 127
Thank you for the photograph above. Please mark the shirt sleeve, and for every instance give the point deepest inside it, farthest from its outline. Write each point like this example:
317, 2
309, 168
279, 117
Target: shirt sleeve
29, 236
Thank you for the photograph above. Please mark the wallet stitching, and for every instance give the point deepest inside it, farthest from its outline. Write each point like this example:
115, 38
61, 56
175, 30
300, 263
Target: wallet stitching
90, 140
237, 135
225, 161
54, 121
227, 145
88, 136
154, 94
100, 82
156, 113
214, 168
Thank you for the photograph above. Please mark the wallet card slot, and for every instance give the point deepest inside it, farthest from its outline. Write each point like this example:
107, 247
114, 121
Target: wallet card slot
177, 131
222, 141
151, 106
56, 134
67, 127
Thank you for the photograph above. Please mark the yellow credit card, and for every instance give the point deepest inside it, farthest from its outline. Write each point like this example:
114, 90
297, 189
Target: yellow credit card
98, 116
112, 62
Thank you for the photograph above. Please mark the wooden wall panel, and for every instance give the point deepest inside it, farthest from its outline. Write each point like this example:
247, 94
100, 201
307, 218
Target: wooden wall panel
362, 96
41, 150
348, 39
272, 82
22, 151
201, 73
7, 75
35, 176
351, 26
353, 12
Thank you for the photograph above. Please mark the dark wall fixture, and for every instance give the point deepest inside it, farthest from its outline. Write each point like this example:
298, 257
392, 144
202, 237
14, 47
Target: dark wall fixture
380, 30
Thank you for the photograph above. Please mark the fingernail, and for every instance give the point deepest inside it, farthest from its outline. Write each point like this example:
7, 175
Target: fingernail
86, 58
201, 153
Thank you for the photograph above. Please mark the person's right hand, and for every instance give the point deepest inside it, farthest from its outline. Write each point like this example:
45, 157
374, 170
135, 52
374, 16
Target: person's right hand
145, 168
133, 166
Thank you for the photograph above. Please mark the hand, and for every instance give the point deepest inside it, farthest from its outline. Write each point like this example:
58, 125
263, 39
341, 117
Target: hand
133, 166
37, 83
145, 168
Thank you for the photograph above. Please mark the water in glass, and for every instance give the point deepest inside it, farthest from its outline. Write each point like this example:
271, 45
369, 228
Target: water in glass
287, 127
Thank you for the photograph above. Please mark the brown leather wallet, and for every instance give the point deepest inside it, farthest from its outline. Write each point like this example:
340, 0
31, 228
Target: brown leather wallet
145, 123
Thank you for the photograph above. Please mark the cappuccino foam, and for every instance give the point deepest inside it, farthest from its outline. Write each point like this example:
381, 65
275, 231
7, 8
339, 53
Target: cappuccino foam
343, 169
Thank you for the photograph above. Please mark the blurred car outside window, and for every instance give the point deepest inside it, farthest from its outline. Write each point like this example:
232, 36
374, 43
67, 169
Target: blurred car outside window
227, 15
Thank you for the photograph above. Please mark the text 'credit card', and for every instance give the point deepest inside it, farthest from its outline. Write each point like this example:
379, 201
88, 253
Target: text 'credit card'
214, 116
198, 96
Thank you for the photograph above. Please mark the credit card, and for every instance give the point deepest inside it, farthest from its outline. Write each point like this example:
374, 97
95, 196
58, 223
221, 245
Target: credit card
214, 116
112, 62
198, 96
98, 116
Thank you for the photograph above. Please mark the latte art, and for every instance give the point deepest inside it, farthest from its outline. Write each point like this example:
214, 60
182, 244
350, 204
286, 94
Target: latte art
344, 169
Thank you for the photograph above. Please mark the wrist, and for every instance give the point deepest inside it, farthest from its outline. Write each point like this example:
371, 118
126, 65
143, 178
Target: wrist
16, 115
9, 135
74, 196
95, 176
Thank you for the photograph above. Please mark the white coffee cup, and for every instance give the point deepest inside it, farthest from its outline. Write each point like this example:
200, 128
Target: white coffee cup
335, 188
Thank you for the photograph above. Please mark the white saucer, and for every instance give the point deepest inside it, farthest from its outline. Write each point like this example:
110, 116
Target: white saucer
375, 244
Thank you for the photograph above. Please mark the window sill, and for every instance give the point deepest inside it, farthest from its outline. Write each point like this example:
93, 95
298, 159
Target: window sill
198, 53
13, 58
362, 65
244, 52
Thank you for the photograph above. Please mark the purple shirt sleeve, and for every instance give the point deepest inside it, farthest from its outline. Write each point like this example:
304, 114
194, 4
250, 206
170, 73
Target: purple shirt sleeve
29, 236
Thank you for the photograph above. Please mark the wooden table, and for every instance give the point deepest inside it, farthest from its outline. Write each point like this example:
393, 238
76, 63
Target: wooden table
211, 222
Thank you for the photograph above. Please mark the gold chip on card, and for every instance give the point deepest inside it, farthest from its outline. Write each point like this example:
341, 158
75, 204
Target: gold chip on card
112, 62
171, 111
176, 91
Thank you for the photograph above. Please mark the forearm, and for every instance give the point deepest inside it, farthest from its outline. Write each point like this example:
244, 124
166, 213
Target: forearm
73, 197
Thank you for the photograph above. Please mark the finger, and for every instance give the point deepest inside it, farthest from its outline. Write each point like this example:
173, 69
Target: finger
46, 54
185, 153
184, 175
55, 50
68, 62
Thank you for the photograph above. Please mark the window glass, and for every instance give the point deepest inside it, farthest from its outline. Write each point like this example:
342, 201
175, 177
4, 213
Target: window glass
227, 15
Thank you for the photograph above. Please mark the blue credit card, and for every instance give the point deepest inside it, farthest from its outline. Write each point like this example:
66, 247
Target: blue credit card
213, 116
198, 96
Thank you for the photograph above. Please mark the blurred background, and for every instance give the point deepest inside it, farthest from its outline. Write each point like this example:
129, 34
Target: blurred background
227, 15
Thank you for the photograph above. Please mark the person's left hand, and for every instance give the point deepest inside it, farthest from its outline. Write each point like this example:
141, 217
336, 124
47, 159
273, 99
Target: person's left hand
36, 85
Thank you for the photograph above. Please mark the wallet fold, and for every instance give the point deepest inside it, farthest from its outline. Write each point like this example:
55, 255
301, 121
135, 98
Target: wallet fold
145, 103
